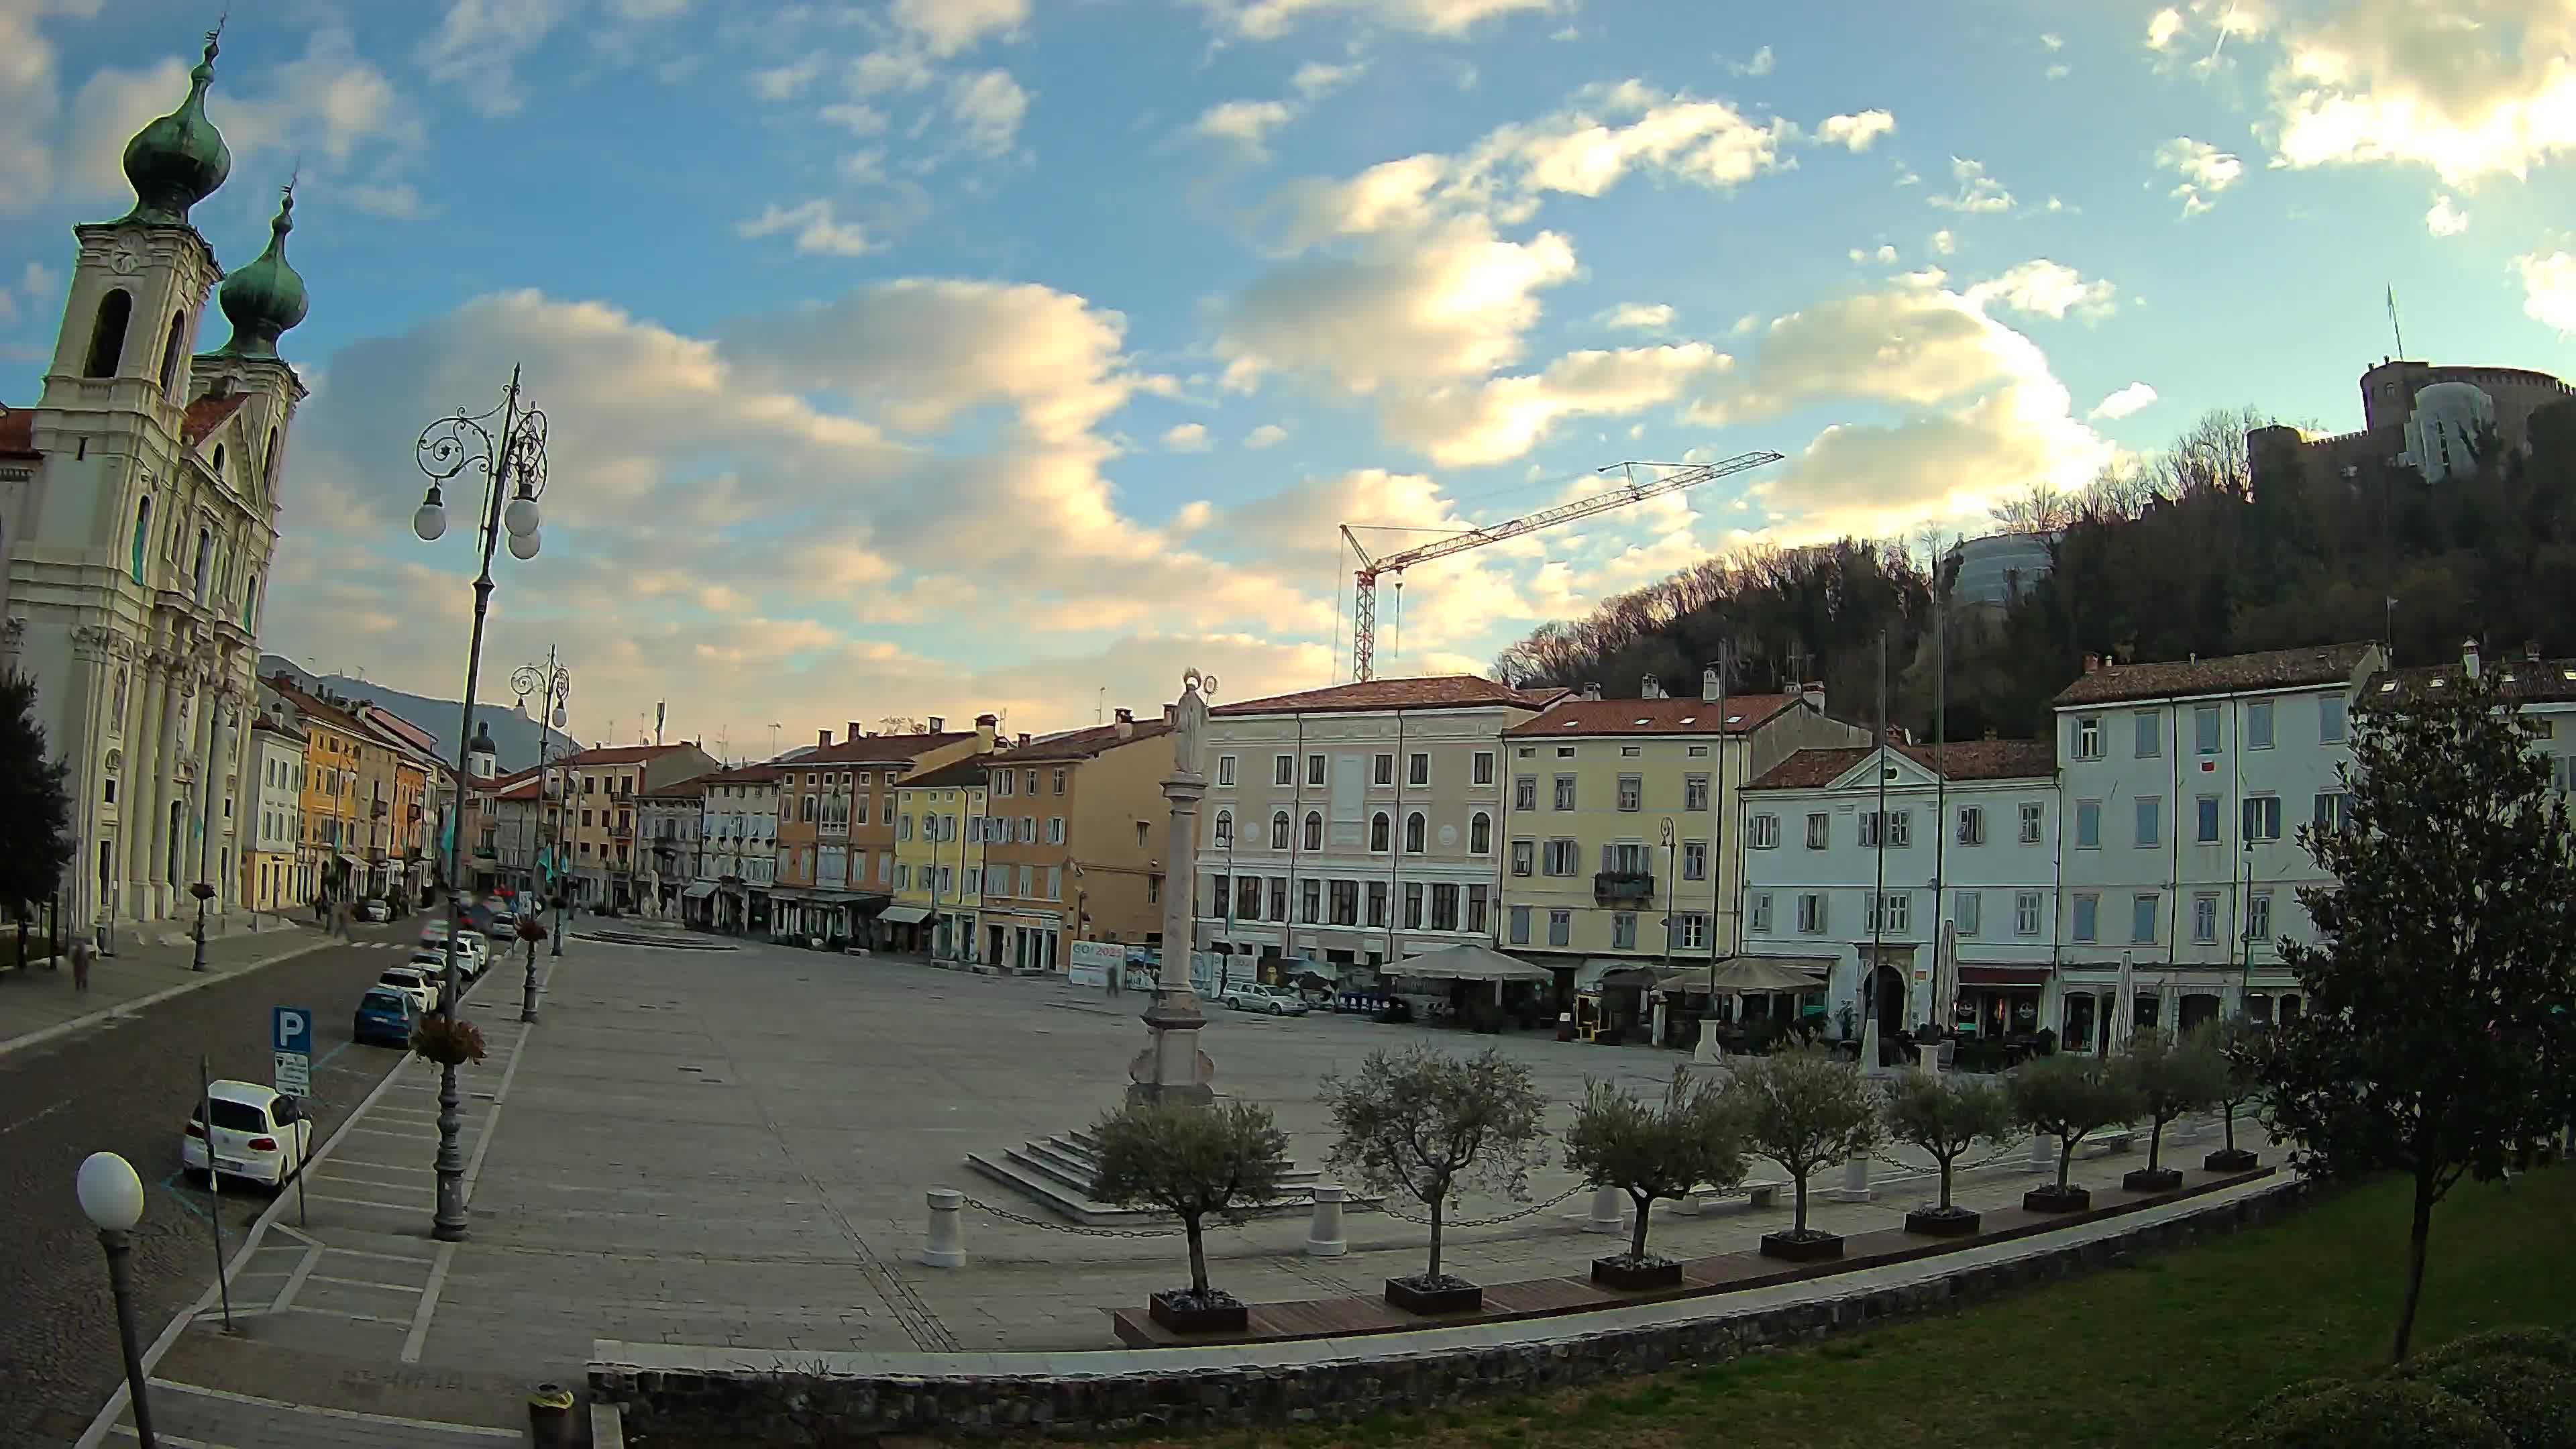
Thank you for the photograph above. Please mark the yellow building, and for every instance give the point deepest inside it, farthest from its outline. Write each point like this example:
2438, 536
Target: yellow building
274, 875
939, 830
332, 838
1619, 817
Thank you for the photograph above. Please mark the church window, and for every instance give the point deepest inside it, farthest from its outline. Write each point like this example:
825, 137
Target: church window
107, 334
219, 461
250, 600
142, 534
268, 464
205, 562
171, 352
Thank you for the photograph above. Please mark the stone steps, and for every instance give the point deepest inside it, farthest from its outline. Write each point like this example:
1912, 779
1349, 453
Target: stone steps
1056, 1173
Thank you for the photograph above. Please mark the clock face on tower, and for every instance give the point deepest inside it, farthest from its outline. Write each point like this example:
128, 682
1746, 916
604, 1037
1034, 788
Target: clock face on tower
125, 258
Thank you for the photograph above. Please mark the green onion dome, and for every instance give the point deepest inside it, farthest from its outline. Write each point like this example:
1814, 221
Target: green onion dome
266, 298
178, 160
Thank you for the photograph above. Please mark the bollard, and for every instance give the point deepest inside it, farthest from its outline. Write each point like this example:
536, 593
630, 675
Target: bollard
947, 1229
1855, 1186
550, 1422
1324, 1231
1604, 1217
2043, 1157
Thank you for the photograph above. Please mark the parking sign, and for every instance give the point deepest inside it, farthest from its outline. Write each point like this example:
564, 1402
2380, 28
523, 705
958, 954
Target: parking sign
290, 1041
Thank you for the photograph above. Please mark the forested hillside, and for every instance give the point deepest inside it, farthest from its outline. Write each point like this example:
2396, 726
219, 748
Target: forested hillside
2176, 556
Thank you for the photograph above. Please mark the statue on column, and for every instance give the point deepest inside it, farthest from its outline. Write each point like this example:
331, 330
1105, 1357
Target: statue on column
1189, 721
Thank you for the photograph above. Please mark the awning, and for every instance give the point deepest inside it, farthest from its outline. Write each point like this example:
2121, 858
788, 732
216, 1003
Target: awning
1469, 963
904, 915
1308, 966
699, 891
1623, 973
1767, 973
2032, 976
352, 861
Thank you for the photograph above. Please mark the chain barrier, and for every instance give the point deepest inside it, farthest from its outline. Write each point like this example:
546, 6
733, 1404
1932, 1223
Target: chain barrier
1024, 1220
1446, 1225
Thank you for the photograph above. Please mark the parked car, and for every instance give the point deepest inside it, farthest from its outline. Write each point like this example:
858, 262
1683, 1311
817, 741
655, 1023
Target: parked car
431, 961
257, 1134
419, 984
473, 950
375, 908
386, 1015
1276, 1000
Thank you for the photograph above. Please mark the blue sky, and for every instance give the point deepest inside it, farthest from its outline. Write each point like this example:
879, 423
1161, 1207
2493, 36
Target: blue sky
936, 356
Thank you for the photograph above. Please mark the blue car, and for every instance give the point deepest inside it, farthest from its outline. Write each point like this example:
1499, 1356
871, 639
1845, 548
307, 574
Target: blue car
385, 1016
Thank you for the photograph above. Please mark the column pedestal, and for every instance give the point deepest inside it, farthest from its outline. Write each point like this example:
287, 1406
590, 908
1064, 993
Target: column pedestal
1172, 1070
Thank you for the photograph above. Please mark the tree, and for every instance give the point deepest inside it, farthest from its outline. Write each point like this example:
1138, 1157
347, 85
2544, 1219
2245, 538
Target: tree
2437, 1035
35, 804
1191, 1162
2069, 1098
1804, 1110
2239, 1043
1429, 1125
2168, 1078
1649, 1152
1945, 1115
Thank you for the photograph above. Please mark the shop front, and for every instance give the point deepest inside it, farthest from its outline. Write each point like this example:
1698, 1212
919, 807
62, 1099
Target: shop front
1996, 1002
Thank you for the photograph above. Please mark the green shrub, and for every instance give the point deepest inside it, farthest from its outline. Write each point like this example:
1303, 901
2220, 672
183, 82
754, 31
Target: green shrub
2534, 1403
2292, 1393
2548, 1345
2380, 1414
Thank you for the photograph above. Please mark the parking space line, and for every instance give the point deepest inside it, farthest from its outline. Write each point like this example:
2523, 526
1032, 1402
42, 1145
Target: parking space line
126, 1431
477, 1430
428, 1306
295, 1280
336, 1313
368, 1202
363, 1283
376, 1166
371, 1253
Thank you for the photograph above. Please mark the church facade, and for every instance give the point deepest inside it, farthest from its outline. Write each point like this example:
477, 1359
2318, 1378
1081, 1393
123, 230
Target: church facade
141, 515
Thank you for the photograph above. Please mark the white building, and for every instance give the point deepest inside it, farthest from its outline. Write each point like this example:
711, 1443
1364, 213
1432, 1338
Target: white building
1834, 886
279, 879
2184, 785
738, 850
1341, 824
145, 510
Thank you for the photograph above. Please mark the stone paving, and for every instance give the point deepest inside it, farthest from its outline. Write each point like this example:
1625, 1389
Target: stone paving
731, 1149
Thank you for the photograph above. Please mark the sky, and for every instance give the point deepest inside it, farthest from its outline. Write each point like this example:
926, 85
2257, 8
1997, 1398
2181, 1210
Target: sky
937, 357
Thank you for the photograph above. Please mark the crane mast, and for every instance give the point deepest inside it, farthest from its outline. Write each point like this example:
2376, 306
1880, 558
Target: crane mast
1364, 578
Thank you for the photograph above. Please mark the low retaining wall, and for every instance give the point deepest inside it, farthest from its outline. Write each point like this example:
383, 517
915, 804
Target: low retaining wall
796, 1398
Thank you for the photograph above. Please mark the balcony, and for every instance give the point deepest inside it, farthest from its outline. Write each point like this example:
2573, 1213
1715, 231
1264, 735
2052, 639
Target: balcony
1623, 887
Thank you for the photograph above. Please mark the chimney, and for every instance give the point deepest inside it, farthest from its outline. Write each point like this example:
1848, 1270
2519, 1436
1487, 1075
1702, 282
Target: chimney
823, 739
2469, 658
2531, 650
986, 725
1650, 688
1709, 688
1813, 692
938, 724
2092, 663
1592, 689
855, 731
1126, 724
1024, 739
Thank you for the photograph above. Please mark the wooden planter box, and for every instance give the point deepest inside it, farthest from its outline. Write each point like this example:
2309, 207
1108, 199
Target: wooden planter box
1934, 1223
2159, 1179
2230, 1159
1632, 1277
1410, 1296
1815, 1248
1230, 1316
2055, 1199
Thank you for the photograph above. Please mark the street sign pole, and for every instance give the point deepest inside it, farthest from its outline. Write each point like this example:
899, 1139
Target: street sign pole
290, 1041
214, 1186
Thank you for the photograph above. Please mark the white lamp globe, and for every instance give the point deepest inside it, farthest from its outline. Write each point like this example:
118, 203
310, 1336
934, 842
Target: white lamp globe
429, 521
520, 517
110, 1194
524, 545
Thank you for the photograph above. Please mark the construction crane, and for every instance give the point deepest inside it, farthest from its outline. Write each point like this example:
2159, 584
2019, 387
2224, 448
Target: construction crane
1365, 577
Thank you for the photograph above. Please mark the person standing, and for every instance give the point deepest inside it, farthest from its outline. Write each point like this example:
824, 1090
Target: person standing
83, 953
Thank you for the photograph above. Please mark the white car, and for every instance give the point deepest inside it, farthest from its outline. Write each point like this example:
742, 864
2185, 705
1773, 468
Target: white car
1276, 1000
258, 1135
415, 981
473, 952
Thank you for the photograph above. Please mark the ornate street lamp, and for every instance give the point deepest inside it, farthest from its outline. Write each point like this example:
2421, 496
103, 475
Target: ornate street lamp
508, 444
553, 683
111, 1197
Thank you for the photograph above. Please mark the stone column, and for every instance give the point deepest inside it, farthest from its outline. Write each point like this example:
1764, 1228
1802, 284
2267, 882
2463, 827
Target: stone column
136, 798
1171, 1068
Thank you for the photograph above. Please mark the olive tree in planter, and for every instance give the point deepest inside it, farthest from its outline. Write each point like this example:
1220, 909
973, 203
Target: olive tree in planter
2168, 1078
2069, 1098
2239, 1042
1649, 1152
1946, 1114
1429, 1125
1804, 1110
1191, 1162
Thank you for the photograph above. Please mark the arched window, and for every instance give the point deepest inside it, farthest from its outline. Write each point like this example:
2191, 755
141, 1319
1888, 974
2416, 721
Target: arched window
1379, 829
1413, 833
107, 334
1314, 830
1224, 828
250, 606
171, 352
268, 460
219, 462
1279, 831
204, 571
142, 534
1480, 834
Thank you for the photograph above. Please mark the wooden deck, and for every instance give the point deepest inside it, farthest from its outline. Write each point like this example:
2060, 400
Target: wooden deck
1701, 1277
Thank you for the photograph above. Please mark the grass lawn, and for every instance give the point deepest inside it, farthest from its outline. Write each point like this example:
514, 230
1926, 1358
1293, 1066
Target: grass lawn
2167, 1351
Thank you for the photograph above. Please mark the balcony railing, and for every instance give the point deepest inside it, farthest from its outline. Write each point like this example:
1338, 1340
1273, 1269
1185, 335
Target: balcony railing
1623, 887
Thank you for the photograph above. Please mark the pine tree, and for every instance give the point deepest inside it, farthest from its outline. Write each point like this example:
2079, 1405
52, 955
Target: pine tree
35, 804
2437, 1033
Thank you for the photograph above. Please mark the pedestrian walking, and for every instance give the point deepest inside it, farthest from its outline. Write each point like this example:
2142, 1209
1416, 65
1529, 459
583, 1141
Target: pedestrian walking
83, 953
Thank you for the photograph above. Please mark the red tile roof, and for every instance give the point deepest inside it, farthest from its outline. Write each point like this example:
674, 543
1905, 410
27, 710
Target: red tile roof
763, 774
1082, 744
1965, 760
1654, 716
623, 754
18, 433
1441, 691
207, 414
2227, 674
316, 706
2532, 681
876, 749
968, 771
529, 789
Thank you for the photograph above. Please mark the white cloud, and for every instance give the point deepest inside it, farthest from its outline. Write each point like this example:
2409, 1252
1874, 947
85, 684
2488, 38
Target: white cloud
1503, 418
2549, 289
1978, 192
479, 40
2164, 28
2444, 217
648, 10
30, 97
1578, 154
817, 231
788, 81
1268, 435
1639, 316
2205, 171
38, 281
950, 26
1856, 132
1760, 65
2043, 288
1316, 79
1943, 243
2049, 40
1186, 438
2468, 88
398, 201
1271, 19
2122, 403
1247, 124
991, 106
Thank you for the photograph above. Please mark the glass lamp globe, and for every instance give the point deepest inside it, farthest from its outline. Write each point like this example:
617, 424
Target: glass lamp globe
520, 517
111, 1196
430, 520
524, 545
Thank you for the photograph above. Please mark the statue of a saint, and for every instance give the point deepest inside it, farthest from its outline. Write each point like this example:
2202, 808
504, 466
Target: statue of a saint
1189, 721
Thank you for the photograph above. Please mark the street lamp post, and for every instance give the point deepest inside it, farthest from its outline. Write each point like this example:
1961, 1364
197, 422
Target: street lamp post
554, 683
111, 1196
206, 827
513, 462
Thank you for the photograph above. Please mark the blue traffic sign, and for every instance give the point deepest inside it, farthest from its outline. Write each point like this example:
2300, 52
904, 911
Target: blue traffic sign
290, 1029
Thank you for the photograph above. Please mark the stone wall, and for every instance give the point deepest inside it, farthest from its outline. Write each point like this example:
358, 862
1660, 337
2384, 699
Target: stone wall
813, 1402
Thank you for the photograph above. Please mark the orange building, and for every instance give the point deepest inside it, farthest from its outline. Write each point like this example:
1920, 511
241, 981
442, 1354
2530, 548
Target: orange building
836, 808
